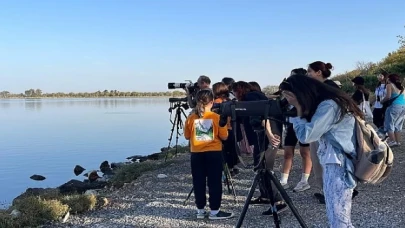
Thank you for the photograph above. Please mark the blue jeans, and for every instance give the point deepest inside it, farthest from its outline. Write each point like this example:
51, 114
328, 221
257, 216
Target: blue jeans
394, 118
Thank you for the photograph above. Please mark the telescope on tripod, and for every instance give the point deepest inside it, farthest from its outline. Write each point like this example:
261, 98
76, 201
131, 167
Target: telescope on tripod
258, 111
178, 105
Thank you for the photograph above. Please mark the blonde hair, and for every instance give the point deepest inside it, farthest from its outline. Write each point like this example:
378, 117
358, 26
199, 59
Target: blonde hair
203, 97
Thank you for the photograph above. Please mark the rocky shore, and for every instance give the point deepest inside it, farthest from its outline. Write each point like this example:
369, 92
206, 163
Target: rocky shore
39, 206
153, 201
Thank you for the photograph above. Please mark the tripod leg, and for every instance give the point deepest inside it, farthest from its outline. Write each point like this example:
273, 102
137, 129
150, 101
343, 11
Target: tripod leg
188, 197
249, 197
171, 137
227, 175
178, 124
287, 200
266, 180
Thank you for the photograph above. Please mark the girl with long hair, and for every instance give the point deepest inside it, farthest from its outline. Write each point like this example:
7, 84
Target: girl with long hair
326, 115
395, 113
221, 94
205, 135
271, 136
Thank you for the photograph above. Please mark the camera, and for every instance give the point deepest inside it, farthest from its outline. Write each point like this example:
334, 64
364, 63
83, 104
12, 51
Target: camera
276, 109
191, 87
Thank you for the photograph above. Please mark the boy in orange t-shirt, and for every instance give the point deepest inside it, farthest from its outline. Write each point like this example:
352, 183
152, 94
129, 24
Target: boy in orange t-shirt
205, 135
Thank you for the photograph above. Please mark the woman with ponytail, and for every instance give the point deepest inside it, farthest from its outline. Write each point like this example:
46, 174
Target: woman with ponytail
205, 135
395, 113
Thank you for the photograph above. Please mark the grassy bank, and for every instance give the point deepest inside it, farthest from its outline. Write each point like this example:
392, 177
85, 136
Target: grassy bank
52, 206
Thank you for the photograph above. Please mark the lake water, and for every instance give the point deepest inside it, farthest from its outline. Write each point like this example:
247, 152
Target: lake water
50, 136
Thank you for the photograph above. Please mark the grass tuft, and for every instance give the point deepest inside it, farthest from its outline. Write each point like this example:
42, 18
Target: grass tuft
80, 203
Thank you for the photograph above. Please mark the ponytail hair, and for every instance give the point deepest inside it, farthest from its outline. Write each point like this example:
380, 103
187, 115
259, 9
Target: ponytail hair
203, 97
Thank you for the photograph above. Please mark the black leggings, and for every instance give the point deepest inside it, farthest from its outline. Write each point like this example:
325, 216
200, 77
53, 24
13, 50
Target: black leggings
207, 167
229, 150
378, 117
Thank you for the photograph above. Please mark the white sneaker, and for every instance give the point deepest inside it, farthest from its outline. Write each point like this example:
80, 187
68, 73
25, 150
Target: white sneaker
301, 186
392, 144
201, 215
285, 185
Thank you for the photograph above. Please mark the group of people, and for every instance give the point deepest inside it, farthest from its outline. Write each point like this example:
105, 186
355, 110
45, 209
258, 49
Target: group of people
324, 128
388, 112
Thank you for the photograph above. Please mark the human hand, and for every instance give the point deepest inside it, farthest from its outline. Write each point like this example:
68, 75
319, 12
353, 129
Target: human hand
291, 98
274, 140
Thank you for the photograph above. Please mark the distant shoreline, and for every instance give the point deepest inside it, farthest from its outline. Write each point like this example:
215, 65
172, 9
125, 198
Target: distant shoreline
28, 98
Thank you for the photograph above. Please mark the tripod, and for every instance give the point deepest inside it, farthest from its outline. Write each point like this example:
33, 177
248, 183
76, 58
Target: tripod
228, 180
268, 180
176, 123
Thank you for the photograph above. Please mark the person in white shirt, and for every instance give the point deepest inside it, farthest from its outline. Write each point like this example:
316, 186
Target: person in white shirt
380, 93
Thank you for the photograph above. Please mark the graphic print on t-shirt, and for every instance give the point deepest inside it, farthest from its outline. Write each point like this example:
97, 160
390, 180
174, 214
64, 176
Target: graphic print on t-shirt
203, 130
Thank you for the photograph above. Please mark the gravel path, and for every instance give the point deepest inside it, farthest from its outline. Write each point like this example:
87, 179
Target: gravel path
153, 202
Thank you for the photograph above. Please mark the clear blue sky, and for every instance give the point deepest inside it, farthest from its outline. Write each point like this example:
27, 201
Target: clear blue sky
140, 45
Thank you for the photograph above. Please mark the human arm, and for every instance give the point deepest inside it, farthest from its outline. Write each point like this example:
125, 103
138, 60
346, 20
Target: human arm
388, 94
223, 132
273, 139
326, 115
187, 128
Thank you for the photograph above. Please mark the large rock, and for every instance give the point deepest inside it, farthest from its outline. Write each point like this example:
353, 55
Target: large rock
78, 170
76, 186
105, 168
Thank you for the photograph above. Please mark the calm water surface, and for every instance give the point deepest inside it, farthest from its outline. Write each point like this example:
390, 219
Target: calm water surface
50, 136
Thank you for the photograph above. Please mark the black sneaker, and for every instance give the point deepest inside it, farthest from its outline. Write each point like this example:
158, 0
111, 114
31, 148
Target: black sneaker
355, 193
260, 200
280, 208
221, 215
320, 197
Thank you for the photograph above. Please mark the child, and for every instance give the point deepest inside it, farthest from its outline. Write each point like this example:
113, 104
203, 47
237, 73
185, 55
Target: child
221, 94
205, 135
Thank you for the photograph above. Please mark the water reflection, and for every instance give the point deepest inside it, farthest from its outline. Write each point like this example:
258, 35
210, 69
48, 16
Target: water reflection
33, 105
105, 103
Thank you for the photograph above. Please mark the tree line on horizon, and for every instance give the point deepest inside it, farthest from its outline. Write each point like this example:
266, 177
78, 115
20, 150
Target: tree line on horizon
37, 93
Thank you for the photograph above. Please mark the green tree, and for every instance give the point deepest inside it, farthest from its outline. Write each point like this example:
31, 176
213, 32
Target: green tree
401, 40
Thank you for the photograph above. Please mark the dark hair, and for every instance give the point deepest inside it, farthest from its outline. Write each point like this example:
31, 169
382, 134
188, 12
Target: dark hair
228, 82
362, 88
255, 86
325, 68
301, 71
311, 92
203, 98
384, 73
396, 80
204, 79
242, 88
220, 90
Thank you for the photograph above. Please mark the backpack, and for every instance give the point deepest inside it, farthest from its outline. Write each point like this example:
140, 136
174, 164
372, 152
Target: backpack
374, 157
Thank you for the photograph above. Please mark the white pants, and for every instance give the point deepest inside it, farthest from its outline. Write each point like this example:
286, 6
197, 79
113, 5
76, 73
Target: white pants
338, 197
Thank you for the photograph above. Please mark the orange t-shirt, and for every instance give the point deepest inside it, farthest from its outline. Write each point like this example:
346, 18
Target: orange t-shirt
204, 133
228, 124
